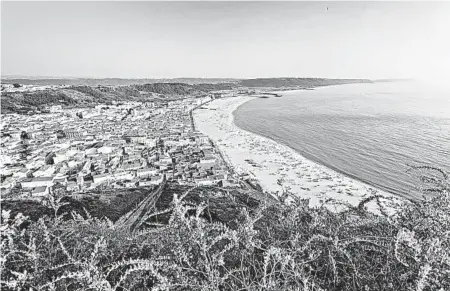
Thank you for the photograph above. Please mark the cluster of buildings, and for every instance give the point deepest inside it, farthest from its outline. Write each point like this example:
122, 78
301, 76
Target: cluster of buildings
127, 144
28, 88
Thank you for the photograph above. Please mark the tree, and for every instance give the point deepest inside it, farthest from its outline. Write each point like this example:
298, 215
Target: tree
17, 85
24, 135
49, 159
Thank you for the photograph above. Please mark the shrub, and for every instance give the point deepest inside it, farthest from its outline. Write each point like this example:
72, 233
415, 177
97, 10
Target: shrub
271, 247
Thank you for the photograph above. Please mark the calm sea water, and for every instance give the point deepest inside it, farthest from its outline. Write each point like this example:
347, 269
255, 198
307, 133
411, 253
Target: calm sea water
370, 132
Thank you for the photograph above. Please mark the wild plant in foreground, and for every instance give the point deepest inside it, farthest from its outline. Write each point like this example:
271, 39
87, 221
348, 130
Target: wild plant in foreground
272, 247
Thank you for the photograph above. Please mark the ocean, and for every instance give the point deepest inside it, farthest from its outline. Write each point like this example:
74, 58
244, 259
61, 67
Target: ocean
370, 132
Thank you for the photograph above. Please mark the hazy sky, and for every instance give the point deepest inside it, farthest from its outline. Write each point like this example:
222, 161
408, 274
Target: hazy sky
226, 39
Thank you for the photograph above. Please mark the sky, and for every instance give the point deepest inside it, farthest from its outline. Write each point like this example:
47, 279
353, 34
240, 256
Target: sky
226, 39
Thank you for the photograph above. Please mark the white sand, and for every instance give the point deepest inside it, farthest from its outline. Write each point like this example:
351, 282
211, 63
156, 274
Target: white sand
273, 161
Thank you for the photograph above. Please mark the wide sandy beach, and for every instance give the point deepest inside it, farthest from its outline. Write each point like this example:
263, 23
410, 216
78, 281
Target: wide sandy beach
269, 162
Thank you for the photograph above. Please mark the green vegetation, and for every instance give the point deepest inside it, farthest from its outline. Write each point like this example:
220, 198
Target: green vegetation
82, 95
111, 204
192, 242
111, 81
29, 101
88, 95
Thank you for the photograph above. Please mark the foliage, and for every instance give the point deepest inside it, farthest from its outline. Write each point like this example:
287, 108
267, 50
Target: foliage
271, 247
24, 135
84, 95
29, 101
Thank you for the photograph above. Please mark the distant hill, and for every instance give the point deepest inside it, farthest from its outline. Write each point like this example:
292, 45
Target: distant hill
298, 82
88, 92
108, 81
258, 82
86, 95
392, 80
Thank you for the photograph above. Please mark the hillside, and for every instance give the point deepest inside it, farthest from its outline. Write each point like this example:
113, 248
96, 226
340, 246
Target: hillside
109, 81
257, 82
84, 95
298, 82
109, 204
221, 239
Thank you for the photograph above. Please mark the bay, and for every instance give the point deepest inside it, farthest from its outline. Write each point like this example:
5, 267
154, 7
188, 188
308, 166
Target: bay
370, 132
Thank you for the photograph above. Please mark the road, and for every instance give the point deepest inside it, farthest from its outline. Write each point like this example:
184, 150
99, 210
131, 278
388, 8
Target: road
192, 116
134, 219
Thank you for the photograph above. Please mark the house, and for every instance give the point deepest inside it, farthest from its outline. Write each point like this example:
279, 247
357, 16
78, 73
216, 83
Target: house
156, 180
146, 172
11, 170
205, 182
60, 180
208, 160
60, 156
205, 166
130, 184
71, 186
45, 171
163, 167
105, 150
207, 151
165, 159
102, 178
202, 139
230, 184
37, 182
40, 191
21, 174
223, 93
125, 175
91, 151
55, 108
73, 163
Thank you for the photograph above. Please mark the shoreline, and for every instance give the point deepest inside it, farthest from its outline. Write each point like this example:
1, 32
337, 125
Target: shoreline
269, 162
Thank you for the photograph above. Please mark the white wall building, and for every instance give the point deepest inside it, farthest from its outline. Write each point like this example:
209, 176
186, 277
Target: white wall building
37, 182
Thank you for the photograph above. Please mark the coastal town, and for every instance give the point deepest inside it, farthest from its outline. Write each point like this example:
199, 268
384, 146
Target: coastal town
119, 145
188, 140
224, 146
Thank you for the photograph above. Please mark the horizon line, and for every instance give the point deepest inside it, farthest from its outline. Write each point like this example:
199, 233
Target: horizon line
206, 78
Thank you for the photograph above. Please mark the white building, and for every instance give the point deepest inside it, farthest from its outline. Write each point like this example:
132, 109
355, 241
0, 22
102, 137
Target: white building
102, 178
156, 180
37, 182
105, 150
21, 174
205, 182
146, 172
55, 108
207, 160
125, 175
164, 159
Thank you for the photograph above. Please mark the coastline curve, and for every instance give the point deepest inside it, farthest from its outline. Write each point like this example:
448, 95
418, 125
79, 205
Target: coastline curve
277, 167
